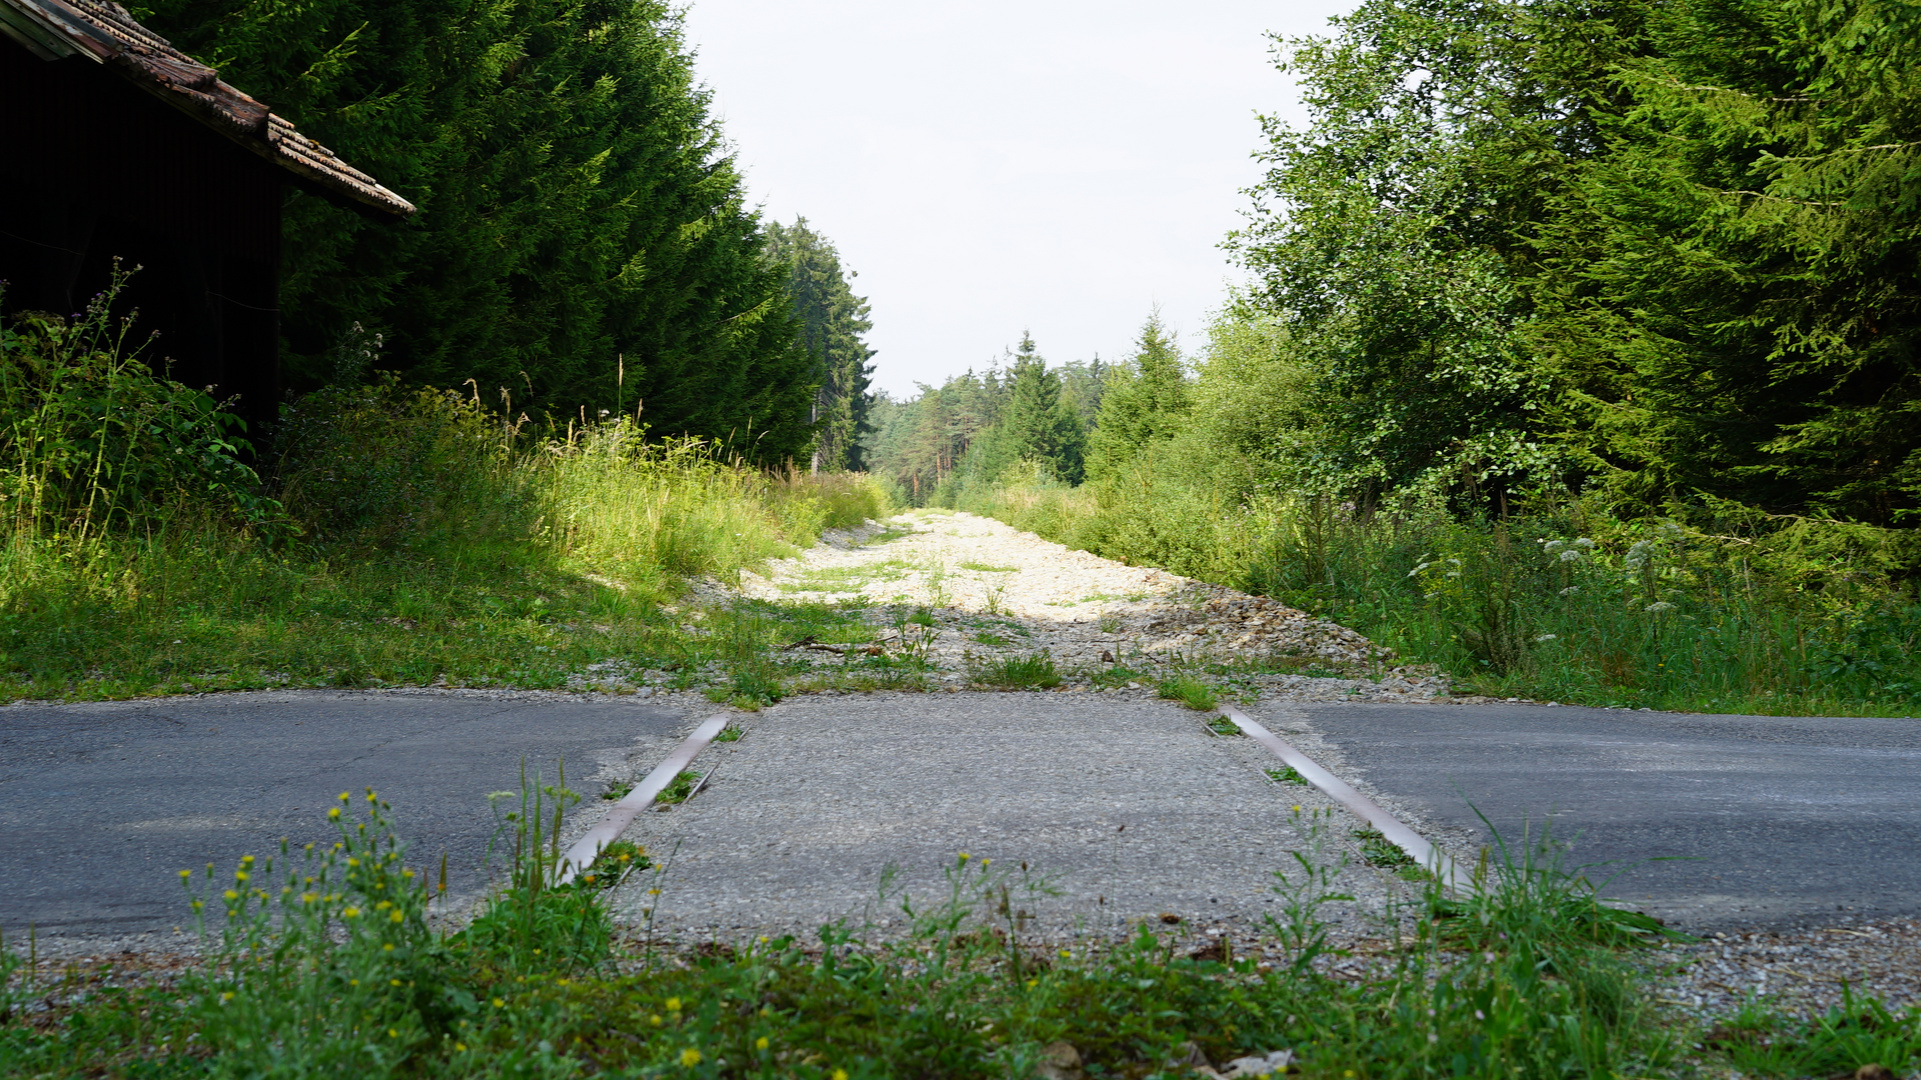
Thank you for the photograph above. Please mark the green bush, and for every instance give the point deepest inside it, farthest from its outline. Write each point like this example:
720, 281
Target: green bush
92, 440
405, 468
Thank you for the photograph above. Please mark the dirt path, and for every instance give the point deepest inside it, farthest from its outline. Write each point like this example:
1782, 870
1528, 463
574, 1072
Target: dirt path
987, 593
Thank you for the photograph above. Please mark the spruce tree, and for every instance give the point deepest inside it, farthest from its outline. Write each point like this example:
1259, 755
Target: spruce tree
1145, 401
832, 320
583, 240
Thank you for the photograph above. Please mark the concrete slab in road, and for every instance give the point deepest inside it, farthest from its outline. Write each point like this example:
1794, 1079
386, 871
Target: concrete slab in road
101, 805
1781, 819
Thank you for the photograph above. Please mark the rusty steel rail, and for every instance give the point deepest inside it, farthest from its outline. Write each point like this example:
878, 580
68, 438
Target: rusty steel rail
1429, 857
609, 828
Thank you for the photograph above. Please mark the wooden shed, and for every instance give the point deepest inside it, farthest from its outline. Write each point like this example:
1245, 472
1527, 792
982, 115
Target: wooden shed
115, 144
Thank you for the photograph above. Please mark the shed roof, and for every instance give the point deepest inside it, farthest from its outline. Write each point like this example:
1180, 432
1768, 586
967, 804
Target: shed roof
105, 33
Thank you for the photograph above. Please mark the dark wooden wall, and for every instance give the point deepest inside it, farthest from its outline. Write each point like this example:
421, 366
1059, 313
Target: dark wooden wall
92, 167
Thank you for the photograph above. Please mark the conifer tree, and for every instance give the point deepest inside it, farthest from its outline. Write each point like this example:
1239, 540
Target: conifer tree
583, 239
832, 320
1145, 401
1034, 423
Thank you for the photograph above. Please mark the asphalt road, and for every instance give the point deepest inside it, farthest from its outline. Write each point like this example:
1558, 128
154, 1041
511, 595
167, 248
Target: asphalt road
101, 805
1771, 820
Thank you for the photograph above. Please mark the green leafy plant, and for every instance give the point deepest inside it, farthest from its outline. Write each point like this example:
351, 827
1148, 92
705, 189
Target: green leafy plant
679, 789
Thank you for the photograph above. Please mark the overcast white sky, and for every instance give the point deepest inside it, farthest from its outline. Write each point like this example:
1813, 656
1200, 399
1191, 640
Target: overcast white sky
989, 166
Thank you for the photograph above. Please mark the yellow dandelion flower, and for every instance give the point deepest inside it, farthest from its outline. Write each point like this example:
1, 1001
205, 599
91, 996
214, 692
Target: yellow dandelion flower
500, 1003
964, 856
392, 1033
760, 1043
228, 996
397, 916
389, 947
840, 1074
690, 1057
1032, 983
350, 913
654, 1020
185, 874
231, 895
334, 814
462, 1047
393, 982
344, 796
673, 1004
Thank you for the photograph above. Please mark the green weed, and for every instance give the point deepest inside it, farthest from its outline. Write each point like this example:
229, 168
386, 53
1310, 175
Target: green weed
1378, 850
1286, 774
987, 568
1033, 672
1761, 1042
299, 986
680, 789
1193, 694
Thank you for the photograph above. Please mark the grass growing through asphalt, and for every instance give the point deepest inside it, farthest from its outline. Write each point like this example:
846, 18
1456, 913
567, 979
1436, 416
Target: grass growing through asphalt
322, 961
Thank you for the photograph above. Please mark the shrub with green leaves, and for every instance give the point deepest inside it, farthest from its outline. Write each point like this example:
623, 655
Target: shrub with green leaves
92, 440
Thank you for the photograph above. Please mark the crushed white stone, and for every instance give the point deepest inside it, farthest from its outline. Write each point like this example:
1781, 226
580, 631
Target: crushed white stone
995, 591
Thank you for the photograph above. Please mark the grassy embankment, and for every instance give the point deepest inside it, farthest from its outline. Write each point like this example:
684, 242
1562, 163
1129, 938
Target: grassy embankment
403, 537
1559, 603
322, 961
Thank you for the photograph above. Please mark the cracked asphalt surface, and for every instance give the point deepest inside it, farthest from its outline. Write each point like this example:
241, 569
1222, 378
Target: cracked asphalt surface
101, 805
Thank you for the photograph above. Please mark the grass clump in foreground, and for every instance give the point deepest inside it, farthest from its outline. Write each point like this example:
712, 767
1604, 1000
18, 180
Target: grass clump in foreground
401, 535
322, 962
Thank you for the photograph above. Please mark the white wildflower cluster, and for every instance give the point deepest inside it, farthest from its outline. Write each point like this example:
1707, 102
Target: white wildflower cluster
1646, 550
1578, 549
1658, 607
1447, 568
1428, 561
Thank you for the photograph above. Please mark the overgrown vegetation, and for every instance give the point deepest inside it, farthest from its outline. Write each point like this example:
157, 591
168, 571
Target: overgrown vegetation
1570, 360
323, 960
408, 535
